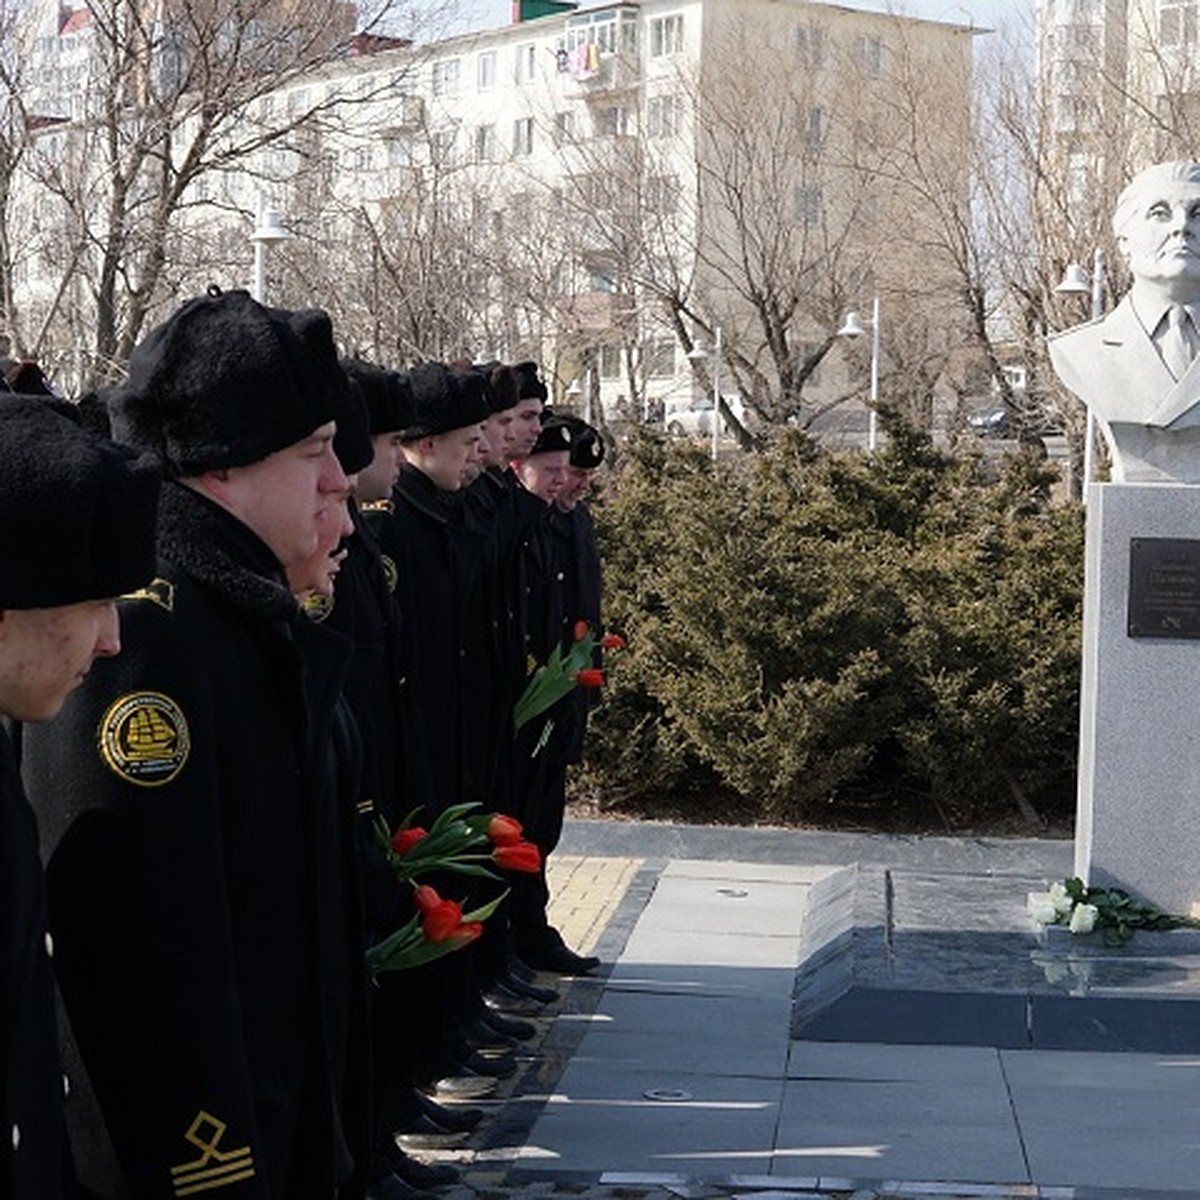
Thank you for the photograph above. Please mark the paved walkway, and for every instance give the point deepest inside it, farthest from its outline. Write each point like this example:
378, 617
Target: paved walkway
673, 1072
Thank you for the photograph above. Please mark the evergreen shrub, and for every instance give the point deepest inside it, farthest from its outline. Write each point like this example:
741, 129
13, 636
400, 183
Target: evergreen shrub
812, 631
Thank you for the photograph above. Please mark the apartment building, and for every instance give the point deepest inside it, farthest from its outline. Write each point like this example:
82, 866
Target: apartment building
599, 188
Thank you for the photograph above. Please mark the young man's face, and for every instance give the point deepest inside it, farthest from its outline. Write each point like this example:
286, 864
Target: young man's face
526, 425
284, 496
375, 482
578, 481
544, 474
45, 653
444, 457
498, 437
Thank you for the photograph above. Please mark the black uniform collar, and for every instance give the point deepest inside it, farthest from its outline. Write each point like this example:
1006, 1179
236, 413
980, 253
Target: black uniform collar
419, 490
200, 538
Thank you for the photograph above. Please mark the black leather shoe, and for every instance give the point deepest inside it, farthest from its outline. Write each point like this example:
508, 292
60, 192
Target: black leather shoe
422, 1133
464, 1087
456, 1119
510, 1026
560, 960
531, 991
510, 1003
483, 1037
479, 1064
420, 1174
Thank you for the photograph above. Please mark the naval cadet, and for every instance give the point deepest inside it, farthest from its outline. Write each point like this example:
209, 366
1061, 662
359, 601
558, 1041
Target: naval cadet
77, 529
201, 877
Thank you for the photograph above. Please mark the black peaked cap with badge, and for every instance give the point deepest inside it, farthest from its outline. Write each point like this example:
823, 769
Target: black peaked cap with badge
443, 400
226, 381
587, 446
555, 435
77, 513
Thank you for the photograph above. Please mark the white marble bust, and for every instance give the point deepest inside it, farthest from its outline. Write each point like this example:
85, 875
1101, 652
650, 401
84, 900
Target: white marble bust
1133, 368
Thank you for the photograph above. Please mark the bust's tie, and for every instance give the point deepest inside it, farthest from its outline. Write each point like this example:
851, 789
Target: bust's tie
1177, 345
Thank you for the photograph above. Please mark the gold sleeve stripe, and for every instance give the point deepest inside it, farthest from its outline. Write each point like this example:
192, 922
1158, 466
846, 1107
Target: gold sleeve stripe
209, 1184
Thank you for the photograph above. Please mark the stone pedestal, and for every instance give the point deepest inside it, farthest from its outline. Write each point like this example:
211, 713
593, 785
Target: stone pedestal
1138, 816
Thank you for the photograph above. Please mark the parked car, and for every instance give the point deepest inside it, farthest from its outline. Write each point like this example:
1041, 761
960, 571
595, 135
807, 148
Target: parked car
692, 420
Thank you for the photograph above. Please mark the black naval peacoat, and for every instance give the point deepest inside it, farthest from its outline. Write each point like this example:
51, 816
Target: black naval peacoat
202, 883
32, 1141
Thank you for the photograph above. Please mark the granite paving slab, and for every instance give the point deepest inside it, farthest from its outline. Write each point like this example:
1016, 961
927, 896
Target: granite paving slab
1109, 1120
604, 1116
899, 1129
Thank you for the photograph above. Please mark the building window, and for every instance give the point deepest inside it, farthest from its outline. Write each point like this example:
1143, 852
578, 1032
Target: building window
662, 194
445, 77
600, 279
298, 102
610, 362
564, 128
664, 116
810, 45
809, 206
816, 125
442, 146
612, 121
666, 36
660, 358
870, 55
485, 143
527, 63
485, 71
1177, 22
523, 137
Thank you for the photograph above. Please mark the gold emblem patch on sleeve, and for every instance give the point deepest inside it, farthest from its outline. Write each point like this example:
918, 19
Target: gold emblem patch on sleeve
215, 1167
144, 739
390, 574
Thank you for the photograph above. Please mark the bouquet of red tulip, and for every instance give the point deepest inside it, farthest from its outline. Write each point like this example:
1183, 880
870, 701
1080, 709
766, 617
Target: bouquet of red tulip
461, 840
456, 841
438, 927
562, 673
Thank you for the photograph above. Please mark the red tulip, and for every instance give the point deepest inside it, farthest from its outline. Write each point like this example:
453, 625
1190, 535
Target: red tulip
467, 932
581, 630
425, 897
613, 641
590, 677
524, 856
403, 840
504, 831
441, 922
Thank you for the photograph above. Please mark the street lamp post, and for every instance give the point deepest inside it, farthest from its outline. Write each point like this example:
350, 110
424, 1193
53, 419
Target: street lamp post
852, 327
1075, 283
698, 354
269, 231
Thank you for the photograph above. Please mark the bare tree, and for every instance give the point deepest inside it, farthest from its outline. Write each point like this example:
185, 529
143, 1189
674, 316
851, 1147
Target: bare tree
185, 110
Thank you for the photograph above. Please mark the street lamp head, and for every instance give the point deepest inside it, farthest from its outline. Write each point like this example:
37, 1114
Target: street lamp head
270, 229
852, 327
573, 388
698, 352
1075, 281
